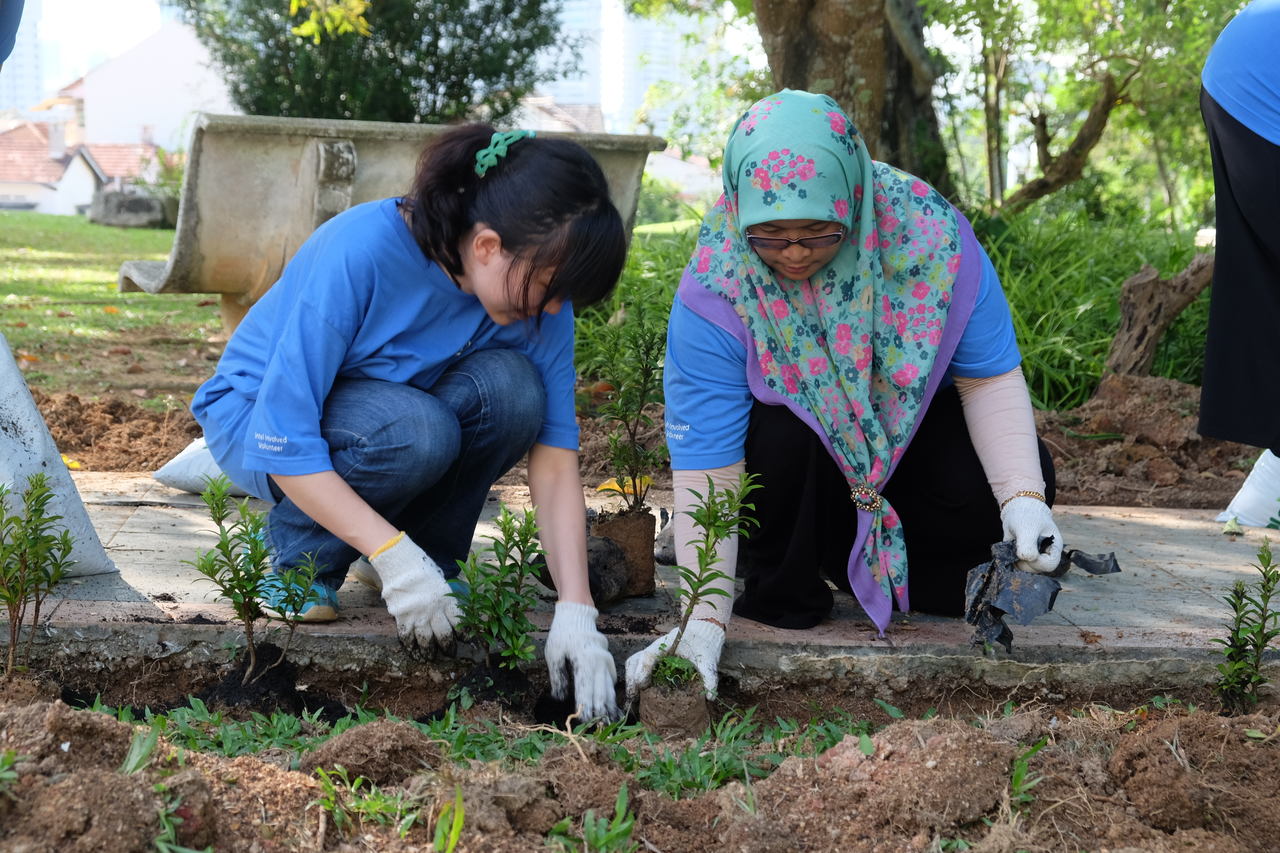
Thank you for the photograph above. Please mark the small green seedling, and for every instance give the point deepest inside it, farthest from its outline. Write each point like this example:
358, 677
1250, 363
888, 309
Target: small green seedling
719, 514
636, 376
33, 559
496, 606
599, 834
9, 761
1254, 624
239, 565
449, 824
1021, 780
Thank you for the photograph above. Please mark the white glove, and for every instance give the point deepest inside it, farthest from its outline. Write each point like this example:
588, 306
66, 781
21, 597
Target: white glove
574, 639
416, 594
1027, 521
700, 645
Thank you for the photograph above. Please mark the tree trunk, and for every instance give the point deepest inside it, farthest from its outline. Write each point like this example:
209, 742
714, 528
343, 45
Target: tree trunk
993, 117
870, 56
1148, 306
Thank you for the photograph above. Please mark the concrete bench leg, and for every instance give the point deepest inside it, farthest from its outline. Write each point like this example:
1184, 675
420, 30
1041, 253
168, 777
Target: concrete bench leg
27, 448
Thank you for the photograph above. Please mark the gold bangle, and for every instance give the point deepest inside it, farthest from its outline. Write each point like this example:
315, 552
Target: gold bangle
1025, 493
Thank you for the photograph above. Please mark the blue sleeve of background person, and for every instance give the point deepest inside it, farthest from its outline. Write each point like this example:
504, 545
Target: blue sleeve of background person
10, 18
708, 403
1242, 72
551, 351
988, 346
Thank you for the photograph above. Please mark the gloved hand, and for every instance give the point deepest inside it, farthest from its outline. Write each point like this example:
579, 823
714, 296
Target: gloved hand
416, 594
700, 645
1027, 521
574, 639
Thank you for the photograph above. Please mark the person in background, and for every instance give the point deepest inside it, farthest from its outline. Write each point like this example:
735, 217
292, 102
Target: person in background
840, 334
1240, 102
10, 17
413, 350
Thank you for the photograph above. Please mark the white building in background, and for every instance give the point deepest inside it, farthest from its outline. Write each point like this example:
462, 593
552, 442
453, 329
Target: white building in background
151, 92
22, 78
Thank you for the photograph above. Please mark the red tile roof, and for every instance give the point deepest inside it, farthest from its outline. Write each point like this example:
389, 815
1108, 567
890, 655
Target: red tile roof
24, 156
123, 160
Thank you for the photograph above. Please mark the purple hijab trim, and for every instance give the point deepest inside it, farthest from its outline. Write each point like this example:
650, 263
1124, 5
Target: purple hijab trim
964, 295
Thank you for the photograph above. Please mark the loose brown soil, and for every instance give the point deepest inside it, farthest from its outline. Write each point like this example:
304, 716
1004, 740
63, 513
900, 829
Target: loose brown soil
1142, 779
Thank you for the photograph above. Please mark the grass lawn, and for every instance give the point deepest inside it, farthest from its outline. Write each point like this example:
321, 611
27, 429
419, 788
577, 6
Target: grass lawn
71, 331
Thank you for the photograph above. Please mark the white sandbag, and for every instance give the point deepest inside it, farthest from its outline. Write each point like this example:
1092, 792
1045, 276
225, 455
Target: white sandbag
1258, 500
192, 469
27, 448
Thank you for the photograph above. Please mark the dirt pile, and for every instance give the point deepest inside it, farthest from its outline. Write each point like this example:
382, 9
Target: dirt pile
1152, 780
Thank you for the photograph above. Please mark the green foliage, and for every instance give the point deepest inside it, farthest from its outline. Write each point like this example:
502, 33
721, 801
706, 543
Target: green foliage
33, 560
495, 609
719, 515
9, 760
141, 747
171, 168
239, 565
659, 201
355, 802
638, 343
449, 824
331, 18
1254, 624
420, 62
1021, 780
599, 834
1061, 273
167, 840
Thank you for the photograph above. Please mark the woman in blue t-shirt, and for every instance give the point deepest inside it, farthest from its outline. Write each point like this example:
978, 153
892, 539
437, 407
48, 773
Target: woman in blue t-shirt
1240, 102
840, 334
414, 350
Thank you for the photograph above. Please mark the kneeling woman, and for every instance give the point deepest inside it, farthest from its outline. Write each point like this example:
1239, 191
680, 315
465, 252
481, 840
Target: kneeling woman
840, 334
413, 351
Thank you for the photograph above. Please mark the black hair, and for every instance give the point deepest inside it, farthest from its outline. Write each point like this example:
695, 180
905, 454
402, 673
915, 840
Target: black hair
546, 198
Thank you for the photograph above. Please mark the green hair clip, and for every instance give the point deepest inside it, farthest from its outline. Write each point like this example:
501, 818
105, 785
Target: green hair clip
487, 158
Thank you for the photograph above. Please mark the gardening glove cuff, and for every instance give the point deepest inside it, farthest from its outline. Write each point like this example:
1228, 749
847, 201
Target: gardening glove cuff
575, 640
416, 593
1028, 521
701, 646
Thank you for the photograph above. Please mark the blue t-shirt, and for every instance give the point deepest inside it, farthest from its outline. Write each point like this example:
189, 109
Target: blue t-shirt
708, 403
359, 300
1243, 72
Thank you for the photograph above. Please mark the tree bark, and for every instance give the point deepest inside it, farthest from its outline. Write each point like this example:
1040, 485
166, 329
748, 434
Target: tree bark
869, 55
1148, 306
1066, 167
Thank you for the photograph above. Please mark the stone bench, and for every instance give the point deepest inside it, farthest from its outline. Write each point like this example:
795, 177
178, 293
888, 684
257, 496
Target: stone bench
256, 187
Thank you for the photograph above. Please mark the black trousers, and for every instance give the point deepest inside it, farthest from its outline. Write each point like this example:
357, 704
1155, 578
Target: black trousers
1241, 360
807, 522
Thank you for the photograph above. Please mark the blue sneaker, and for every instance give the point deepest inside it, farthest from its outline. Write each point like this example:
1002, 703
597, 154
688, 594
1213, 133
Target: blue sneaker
323, 606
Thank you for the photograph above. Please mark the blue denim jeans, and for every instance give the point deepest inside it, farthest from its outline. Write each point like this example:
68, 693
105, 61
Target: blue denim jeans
423, 459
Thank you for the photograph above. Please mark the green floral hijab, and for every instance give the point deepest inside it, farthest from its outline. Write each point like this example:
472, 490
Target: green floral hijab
853, 348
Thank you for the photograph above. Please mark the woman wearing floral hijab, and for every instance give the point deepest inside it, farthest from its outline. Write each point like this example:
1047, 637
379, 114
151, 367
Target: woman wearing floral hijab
840, 334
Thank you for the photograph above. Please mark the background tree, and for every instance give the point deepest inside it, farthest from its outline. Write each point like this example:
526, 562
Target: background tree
421, 62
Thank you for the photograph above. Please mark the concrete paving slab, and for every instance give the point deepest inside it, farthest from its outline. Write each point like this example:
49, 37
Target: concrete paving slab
1149, 626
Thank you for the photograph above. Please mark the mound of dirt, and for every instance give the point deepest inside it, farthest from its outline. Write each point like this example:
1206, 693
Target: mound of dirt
113, 434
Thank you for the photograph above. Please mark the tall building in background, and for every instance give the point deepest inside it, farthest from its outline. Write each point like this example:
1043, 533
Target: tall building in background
621, 56
22, 77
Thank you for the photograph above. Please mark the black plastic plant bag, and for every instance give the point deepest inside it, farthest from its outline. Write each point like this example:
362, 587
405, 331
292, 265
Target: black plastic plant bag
999, 588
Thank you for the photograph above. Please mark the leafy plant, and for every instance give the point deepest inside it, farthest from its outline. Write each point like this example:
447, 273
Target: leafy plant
638, 344
349, 801
719, 515
599, 834
1254, 624
141, 748
449, 824
33, 560
167, 840
1021, 780
239, 565
495, 610
9, 759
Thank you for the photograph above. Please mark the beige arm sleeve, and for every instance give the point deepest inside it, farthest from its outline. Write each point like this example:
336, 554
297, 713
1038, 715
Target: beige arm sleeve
997, 411
718, 607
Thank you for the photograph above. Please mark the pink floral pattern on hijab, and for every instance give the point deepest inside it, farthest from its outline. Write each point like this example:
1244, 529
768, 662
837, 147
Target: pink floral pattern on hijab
853, 346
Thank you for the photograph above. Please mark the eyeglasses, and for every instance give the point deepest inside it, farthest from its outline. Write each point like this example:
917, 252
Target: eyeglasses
821, 241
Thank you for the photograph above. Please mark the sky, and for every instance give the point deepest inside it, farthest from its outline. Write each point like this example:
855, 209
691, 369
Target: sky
76, 35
